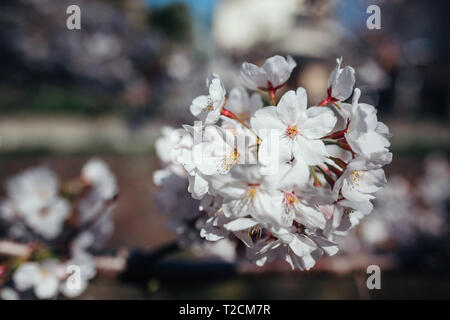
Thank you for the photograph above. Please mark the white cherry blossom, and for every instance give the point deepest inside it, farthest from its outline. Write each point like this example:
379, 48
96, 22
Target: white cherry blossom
340, 83
365, 135
208, 107
358, 183
305, 176
271, 75
43, 277
299, 128
33, 196
242, 104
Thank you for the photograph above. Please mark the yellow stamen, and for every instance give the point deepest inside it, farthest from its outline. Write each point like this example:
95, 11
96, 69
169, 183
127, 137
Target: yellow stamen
292, 131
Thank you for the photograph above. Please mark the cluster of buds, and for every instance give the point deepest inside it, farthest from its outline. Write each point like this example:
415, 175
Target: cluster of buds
59, 225
282, 179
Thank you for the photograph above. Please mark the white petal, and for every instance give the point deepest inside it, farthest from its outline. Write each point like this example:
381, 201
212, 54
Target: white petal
197, 106
267, 118
292, 106
252, 76
343, 88
26, 276
278, 69
319, 123
313, 152
240, 224
47, 287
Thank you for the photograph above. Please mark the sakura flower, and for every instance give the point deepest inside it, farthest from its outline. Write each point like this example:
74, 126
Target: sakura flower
217, 153
165, 144
43, 277
102, 190
9, 294
198, 184
34, 197
208, 108
242, 105
33, 189
357, 183
272, 75
246, 192
98, 175
49, 221
299, 129
345, 215
302, 177
365, 135
220, 226
302, 204
340, 83
296, 249
168, 147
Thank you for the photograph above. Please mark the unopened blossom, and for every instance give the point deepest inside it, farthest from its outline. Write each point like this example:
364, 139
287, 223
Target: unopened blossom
340, 83
102, 190
209, 107
270, 76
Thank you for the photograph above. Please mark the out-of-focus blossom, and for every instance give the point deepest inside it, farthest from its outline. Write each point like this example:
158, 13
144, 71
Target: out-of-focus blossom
43, 278
61, 226
33, 196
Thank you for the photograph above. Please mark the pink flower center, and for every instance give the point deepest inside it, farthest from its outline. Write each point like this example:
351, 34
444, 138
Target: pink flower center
292, 131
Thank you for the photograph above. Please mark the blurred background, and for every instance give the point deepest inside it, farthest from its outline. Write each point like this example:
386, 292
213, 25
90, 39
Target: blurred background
135, 65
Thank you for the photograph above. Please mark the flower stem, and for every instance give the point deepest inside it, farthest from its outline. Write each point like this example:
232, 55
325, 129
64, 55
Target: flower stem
227, 113
317, 182
272, 96
339, 162
327, 176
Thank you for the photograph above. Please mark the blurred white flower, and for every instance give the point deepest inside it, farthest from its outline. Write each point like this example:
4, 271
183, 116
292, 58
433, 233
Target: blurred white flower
7, 293
43, 277
33, 196
102, 188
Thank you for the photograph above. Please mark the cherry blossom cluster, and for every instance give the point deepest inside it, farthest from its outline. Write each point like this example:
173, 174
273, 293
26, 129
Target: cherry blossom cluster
60, 224
277, 176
